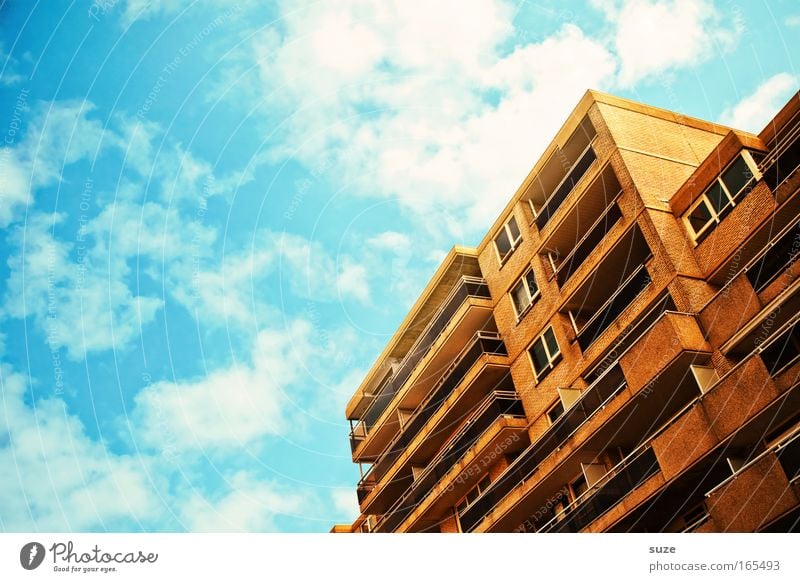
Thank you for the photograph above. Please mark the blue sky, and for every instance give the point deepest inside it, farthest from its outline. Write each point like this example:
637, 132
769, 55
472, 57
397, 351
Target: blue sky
214, 214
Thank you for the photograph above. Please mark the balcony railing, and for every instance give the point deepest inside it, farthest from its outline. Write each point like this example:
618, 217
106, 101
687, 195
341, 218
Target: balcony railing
625, 477
784, 159
613, 307
484, 343
467, 287
630, 335
497, 404
605, 388
778, 255
581, 251
789, 457
787, 452
560, 193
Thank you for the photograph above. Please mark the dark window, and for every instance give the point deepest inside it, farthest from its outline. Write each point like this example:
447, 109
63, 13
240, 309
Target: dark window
506, 241
544, 353
555, 412
524, 292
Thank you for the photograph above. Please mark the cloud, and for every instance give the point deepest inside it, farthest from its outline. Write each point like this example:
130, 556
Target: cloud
9, 66
440, 118
755, 110
82, 305
654, 37
249, 505
57, 134
56, 478
230, 407
345, 503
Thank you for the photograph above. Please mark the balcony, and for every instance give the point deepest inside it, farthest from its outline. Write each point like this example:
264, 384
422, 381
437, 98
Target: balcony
573, 176
611, 288
627, 401
613, 307
563, 170
784, 158
508, 434
760, 491
495, 405
618, 483
776, 259
590, 401
584, 226
466, 291
483, 344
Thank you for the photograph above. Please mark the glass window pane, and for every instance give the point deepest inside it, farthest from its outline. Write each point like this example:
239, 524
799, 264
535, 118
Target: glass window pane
737, 176
513, 229
539, 356
579, 486
718, 198
503, 244
555, 412
530, 278
700, 217
520, 296
484, 484
552, 344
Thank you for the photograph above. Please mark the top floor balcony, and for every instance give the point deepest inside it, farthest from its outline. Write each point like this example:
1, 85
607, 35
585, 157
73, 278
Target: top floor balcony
561, 173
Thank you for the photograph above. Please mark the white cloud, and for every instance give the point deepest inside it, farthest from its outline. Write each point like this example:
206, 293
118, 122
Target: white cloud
437, 117
793, 21
249, 505
755, 110
345, 503
656, 36
390, 240
56, 478
58, 134
82, 305
230, 407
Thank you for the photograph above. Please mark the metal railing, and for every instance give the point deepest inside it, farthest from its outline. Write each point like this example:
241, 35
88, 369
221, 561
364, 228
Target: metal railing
613, 307
590, 401
588, 242
568, 182
496, 405
614, 487
787, 451
776, 256
528, 462
484, 343
467, 287
784, 158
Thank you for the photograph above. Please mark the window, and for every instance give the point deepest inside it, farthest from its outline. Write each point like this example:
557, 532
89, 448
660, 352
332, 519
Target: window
470, 497
783, 351
579, 486
544, 353
555, 412
524, 292
708, 210
507, 240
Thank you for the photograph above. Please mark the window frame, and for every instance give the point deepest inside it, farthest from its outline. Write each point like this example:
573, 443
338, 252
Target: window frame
733, 199
532, 297
553, 407
505, 230
552, 359
480, 486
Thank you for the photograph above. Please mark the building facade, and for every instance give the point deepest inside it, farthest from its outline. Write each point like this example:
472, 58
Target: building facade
620, 353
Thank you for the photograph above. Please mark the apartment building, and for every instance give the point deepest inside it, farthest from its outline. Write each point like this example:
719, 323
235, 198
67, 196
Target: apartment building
621, 352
